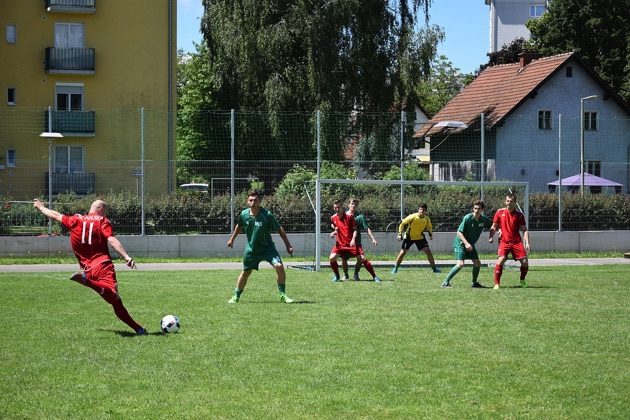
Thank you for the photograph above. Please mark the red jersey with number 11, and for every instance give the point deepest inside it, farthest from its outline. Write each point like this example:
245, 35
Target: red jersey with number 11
88, 237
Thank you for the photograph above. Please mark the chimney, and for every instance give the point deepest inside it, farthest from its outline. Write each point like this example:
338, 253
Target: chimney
525, 58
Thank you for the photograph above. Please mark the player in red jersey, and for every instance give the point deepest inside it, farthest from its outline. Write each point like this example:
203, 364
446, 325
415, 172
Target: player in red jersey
345, 233
90, 236
510, 223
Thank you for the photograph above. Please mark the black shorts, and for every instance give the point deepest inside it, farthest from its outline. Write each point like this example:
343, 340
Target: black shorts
420, 243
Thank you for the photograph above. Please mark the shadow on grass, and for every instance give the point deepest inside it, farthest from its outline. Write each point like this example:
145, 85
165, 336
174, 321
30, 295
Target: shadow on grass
133, 334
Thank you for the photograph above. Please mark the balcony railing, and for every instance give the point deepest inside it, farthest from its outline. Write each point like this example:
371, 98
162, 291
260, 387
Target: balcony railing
70, 60
71, 122
78, 183
71, 6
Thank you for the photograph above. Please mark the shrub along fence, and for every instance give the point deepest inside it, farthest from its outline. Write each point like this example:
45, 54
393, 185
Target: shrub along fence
184, 213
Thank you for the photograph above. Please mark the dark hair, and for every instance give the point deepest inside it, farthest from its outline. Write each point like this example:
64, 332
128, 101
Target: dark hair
511, 195
423, 205
253, 193
337, 202
479, 203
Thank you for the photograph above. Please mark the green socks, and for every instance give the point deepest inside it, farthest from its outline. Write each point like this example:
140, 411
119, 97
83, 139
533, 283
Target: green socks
451, 274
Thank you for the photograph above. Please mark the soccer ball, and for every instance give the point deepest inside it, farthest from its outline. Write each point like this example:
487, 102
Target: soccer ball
169, 324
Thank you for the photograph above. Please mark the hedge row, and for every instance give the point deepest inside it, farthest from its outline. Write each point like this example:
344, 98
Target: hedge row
189, 213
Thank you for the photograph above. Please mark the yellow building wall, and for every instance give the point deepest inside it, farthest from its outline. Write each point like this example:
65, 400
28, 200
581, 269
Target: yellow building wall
133, 50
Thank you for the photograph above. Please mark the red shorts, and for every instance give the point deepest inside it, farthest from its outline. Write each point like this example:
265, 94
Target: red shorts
348, 251
515, 248
101, 278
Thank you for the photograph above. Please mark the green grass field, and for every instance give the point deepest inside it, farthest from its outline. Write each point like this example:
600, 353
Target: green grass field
400, 349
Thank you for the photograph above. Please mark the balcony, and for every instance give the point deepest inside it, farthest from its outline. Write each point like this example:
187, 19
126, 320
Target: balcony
78, 183
71, 6
70, 60
71, 123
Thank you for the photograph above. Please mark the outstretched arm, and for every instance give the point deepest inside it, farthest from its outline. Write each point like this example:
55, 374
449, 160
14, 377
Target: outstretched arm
115, 243
51, 214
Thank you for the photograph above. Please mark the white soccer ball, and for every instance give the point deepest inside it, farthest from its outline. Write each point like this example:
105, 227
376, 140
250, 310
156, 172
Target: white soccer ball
169, 324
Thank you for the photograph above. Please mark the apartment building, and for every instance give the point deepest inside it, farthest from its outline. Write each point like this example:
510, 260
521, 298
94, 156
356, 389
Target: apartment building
508, 19
88, 96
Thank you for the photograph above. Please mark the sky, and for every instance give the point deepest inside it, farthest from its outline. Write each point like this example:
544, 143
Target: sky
465, 22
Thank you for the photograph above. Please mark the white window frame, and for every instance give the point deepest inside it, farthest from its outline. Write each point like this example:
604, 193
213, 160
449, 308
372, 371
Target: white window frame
69, 35
11, 33
68, 166
545, 118
69, 89
11, 161
537, 10
590, 121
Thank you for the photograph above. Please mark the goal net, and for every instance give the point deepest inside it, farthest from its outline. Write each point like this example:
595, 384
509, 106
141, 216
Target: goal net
386, 202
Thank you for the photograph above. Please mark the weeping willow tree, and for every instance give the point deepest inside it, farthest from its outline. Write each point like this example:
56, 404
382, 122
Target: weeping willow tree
275, 56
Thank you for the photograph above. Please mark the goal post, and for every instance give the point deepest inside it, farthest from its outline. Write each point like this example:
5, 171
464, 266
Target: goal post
463, 192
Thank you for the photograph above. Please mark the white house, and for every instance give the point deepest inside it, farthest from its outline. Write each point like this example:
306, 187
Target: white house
533, 121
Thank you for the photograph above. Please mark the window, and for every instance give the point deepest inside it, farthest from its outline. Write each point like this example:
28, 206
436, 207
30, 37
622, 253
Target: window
590, 121
569, 71
594, 167
11, 34
11, 158
536, 10
544, 120
69, 97
68, 159
69, 35
11, 96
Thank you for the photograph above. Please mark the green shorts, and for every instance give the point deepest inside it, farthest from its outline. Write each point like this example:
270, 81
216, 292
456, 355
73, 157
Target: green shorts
461, 254
251, 259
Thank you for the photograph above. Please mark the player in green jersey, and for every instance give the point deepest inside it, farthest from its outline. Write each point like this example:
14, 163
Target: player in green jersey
467, 235
259, 223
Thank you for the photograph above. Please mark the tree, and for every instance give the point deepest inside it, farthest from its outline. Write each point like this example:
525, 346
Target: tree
442, 84
285, 55
508, 53
331, 55
597, 30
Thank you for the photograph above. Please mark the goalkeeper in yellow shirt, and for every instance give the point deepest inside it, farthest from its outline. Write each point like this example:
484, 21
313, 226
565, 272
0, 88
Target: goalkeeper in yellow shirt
411, 231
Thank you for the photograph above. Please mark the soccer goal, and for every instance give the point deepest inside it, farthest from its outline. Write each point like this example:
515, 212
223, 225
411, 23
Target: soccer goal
386, 202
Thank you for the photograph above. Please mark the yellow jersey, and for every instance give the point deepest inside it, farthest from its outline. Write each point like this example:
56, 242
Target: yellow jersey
414, 227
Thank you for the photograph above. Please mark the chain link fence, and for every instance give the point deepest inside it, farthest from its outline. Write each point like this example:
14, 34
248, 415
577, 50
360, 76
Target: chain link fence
124, 158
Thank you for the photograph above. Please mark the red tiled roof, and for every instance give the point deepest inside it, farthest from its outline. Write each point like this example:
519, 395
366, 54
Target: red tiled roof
497, 91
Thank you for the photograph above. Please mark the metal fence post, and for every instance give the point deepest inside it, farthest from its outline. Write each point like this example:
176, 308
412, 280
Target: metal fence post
318, 198
482, 120
403, 118
232, 158
142, 208
559, 172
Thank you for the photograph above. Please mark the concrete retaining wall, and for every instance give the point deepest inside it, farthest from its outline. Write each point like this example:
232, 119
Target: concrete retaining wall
304, 244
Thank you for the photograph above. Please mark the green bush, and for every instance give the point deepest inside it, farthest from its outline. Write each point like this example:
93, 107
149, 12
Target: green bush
190, 213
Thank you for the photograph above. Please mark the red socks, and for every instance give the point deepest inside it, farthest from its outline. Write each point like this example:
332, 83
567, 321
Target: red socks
498, 271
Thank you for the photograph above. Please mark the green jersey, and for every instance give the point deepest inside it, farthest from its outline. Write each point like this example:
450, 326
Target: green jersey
362, 225
258, 230
471, 229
